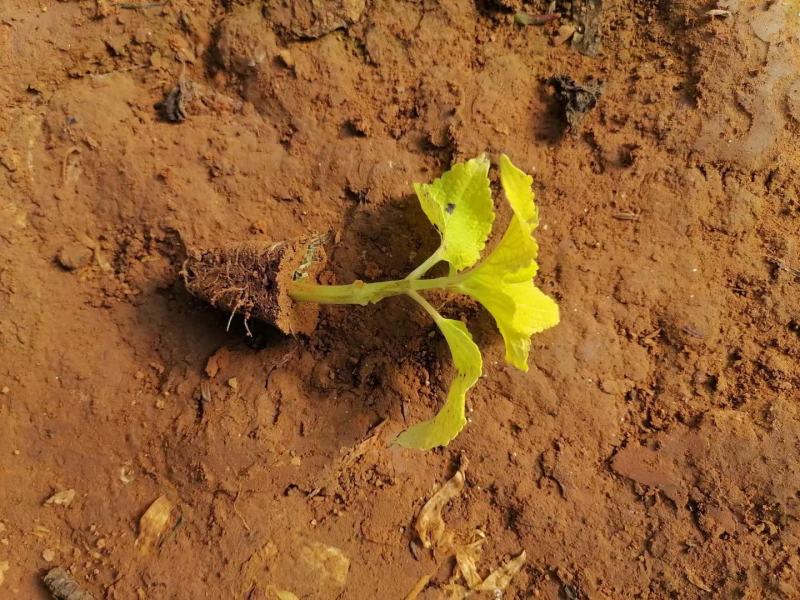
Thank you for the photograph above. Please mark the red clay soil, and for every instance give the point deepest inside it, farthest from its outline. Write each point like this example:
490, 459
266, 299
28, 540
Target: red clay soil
652, 450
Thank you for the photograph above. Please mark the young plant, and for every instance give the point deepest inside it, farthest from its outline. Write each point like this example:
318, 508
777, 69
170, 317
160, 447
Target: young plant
459, 204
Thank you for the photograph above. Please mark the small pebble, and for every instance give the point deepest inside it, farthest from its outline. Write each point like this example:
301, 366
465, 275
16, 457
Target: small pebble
286, 58
48, 555
73, 256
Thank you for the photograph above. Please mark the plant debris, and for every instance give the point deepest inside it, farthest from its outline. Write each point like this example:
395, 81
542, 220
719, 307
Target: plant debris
153, 524
502, 576
274, 593
430, 525
256, 565
421, 584
62, 498
467, 557
62, 586
587, 16
173, 107
524, 19
431, 529
4, 566
328, 561
575, 99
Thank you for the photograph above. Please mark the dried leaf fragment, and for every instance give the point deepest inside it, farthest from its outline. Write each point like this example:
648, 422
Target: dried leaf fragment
153, 524
430, 525
456, 591
256, 567
4, 566
274, 593
696, 581
502, 576
328, 561
62, 586
421, 584
62, 498
467, 557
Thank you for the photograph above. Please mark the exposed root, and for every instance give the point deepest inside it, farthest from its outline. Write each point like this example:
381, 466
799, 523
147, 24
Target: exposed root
252, 279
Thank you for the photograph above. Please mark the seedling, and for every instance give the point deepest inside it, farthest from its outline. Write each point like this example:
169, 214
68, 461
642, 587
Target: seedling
459, 204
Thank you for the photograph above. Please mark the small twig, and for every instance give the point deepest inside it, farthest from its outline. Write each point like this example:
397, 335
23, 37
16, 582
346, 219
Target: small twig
523, 18
236, 510
284, 359
138, 6
626, 216
784, 266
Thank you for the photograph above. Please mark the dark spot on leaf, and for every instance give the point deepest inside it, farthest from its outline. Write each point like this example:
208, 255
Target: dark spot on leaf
450, 208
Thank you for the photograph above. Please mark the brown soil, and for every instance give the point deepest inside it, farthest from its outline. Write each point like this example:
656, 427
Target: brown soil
652, 451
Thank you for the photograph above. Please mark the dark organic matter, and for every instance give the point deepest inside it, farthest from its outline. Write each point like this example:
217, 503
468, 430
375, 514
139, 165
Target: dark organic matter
575, 99
62, 586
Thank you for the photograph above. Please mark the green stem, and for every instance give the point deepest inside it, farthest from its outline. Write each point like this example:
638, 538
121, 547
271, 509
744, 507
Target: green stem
426, 266
366, 293
353, 293
426, 305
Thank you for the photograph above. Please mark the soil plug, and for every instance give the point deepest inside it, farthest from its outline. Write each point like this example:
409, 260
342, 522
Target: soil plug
62, 586
253, 279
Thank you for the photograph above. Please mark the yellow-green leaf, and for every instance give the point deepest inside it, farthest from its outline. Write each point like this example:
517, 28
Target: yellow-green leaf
451, 418
503, 282
519, 308
459, 204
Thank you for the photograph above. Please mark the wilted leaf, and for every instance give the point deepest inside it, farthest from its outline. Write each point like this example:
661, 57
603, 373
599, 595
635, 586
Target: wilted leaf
62, 498
328, 561
430, 525
153, 524
502, 576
